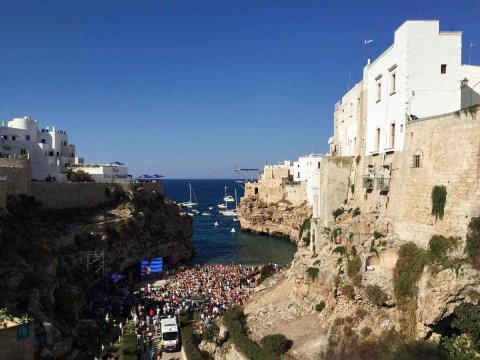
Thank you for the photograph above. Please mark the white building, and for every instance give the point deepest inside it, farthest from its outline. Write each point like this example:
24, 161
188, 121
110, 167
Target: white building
48, 149
347, 119
307, 169
418, 76
470, 85
105, 173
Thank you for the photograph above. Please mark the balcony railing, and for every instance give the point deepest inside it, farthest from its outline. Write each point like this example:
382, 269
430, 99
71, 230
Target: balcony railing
383, 184
368, 182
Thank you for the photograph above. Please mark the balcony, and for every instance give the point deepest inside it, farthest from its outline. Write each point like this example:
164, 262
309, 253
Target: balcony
368, 182
383, 184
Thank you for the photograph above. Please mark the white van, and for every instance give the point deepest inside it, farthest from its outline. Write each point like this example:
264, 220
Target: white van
170, 338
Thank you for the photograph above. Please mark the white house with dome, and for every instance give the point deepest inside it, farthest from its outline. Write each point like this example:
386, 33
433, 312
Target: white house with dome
47, 148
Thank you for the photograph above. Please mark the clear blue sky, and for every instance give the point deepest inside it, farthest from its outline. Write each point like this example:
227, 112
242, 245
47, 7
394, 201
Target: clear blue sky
189, 89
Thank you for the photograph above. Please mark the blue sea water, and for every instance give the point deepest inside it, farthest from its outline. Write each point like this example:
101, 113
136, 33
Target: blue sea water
216, 244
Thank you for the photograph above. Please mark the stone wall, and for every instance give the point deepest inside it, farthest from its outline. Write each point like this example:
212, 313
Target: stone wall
334, 183
56, 195
272, 191
449, 150
15, 178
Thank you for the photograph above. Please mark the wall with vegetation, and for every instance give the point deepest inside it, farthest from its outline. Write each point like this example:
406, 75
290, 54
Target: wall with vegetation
70, 195
15, 178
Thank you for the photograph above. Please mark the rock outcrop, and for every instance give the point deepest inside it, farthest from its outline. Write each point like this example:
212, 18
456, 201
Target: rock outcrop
44, 271
341, 296
280, 219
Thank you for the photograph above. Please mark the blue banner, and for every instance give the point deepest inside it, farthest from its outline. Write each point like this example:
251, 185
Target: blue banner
152, 266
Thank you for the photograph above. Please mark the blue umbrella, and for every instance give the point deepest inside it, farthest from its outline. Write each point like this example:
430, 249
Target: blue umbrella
157, 176
145, 177
118, 163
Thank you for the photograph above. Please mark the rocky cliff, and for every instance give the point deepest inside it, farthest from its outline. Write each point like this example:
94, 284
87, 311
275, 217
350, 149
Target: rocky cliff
44, 272
364, 290
281, 218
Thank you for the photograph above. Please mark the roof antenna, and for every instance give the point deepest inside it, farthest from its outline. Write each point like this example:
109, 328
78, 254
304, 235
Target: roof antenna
365, 43
470, 56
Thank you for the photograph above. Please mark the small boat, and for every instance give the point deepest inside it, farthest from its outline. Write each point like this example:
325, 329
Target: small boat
210, 208
236, 219
190, 203
232, 231
206, 214
191, 214
196, 212
222, 206
230, 212
216, 224
228, 198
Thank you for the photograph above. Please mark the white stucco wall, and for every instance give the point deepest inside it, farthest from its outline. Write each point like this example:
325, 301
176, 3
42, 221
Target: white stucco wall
346, 119
48, 149
471, 90
421, 89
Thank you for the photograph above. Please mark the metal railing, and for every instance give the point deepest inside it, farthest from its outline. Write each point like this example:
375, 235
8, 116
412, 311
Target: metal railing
383, 184
368, 182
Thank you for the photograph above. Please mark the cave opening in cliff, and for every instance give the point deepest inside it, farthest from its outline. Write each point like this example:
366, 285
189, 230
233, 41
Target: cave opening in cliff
444, 327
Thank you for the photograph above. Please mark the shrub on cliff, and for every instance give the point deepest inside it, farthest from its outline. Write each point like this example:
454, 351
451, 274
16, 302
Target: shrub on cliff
438, 248
439, 199
320, 306
472, 247
79, 176
277, 344
467, 319
376, 295
353, 266
348, 291
188, 343
305, 227
211, 332
337, 212
420, 349
408, 270
312, 272
234, 320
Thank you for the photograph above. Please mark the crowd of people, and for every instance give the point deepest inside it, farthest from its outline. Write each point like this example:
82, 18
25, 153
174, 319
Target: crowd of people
207, 291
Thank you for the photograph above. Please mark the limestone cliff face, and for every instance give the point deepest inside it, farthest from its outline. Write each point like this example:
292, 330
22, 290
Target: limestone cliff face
44, 253
359, 301
281, 218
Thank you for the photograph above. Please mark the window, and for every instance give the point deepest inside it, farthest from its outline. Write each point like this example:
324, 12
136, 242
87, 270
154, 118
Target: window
318, 165
4, 137
51, 153
377, 139
379, 90
298, 175
416, 161
14, 138
393, 83
58, 154
256, 191
443, 68
27, 137
392, 135
23, 151
43, 141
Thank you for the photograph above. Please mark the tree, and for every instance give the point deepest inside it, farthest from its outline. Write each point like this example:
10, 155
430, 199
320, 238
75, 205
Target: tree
79, 176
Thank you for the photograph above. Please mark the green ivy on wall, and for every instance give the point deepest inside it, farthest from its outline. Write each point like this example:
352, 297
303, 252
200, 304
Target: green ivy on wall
439, 199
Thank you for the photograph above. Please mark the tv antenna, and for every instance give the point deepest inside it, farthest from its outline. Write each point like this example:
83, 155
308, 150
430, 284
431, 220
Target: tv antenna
470, 55
365, 44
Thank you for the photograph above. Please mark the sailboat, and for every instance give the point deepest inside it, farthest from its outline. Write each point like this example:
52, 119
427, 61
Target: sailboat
228, 198
190, 203
232, 212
